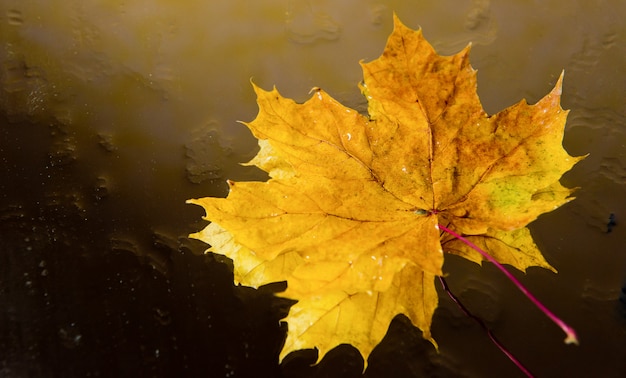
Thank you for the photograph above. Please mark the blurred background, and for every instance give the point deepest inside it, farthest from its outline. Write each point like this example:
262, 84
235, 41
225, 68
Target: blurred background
113, 113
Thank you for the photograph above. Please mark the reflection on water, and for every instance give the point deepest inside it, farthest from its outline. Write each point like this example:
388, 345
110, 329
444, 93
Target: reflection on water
114, 113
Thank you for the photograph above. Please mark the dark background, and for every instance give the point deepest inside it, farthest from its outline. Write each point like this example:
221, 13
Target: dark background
113, 114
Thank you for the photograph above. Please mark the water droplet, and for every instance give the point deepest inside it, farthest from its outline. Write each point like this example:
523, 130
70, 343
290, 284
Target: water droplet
14, 17
101, 188
106, 142
162, 316
306, 26
70, 336
205, 155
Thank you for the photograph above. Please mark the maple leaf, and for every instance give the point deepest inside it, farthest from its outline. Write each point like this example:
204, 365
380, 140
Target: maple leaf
349, 217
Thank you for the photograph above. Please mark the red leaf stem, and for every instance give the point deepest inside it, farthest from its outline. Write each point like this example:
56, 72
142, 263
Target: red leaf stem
570, 338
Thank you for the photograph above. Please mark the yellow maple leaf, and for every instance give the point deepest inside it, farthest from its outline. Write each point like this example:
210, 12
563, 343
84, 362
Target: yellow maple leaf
349, 217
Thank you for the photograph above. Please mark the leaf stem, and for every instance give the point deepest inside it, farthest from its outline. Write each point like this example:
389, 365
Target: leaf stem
570, 333
482, 324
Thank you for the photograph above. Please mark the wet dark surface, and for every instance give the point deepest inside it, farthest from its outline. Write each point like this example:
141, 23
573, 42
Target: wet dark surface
112, 115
